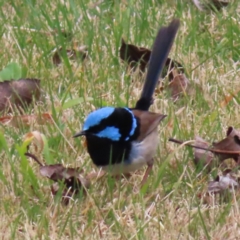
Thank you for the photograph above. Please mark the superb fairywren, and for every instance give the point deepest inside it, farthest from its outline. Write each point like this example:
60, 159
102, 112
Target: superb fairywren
121, 140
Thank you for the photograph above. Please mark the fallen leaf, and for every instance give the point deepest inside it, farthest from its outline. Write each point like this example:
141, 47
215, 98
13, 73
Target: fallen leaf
229, 147
202, 157
58, 172
26, 120
67, 193
18, 93
220, 188
72, 54
213, 5
223, 183
134, 55
37, 140
178, 86
228, 144
71, 178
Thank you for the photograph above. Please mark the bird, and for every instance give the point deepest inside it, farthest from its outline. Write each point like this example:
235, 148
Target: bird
121, 140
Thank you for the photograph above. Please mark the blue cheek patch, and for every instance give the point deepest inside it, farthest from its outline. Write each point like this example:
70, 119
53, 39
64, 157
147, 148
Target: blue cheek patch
134, 124
94, 118
111, 133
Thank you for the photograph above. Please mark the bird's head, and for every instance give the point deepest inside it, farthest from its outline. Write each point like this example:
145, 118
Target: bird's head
115, 124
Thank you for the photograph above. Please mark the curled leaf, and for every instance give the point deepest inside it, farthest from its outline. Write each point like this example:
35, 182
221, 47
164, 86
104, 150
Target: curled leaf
71, 178
229, 147
36, 138
229, 144
18, 93
134, 55
223, 183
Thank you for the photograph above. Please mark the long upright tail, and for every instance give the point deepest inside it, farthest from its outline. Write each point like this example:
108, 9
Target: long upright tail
160, 51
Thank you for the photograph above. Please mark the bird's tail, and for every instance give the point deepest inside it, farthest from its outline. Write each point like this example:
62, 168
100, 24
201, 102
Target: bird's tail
160, 51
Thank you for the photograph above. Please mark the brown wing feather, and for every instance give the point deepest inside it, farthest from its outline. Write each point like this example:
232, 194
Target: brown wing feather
149, 121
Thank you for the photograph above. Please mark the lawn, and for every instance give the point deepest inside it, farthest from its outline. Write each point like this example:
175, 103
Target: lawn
172, 204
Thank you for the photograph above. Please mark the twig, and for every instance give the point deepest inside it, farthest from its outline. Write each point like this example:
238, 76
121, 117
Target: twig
34, 158
203, 148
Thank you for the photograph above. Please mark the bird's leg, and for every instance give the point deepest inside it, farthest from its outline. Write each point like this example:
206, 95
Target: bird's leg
148, 170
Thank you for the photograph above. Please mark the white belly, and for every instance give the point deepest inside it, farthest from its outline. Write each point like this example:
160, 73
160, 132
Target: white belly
140, 155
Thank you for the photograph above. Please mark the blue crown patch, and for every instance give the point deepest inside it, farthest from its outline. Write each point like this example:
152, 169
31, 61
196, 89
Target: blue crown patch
94, 118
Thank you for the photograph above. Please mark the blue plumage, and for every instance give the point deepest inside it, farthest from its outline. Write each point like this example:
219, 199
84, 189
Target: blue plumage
110, 133
94, 118
134, 124
98, 121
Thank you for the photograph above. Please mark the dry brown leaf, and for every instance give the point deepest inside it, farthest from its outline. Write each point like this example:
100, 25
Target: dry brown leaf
73, 54
26, 120
71, 178
57, 172
229, 147
223, 183
221, 188
37, 140
178, 86
18, 93
67, 194
202, 157
134, 55
230, 143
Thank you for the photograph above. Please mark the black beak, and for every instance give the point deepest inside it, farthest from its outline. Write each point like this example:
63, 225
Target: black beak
82, 133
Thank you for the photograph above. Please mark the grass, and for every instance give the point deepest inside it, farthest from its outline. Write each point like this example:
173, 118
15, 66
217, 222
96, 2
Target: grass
169, 207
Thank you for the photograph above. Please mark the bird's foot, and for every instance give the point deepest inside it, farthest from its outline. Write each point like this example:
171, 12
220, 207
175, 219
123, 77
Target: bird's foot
147, 172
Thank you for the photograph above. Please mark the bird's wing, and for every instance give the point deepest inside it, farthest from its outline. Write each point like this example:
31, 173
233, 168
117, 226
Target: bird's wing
149, 121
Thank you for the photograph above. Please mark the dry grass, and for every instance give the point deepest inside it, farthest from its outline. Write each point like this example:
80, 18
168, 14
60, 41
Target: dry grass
169, 207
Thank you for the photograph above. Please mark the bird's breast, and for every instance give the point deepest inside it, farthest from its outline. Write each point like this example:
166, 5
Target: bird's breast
118, 158
143, 152
105, 152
